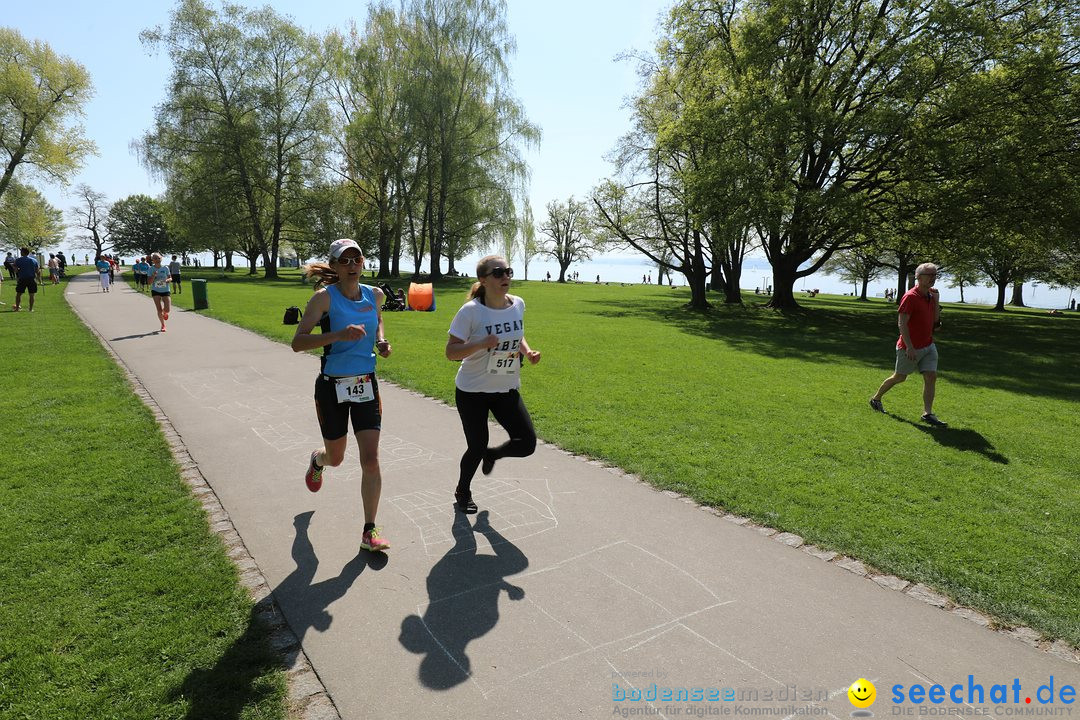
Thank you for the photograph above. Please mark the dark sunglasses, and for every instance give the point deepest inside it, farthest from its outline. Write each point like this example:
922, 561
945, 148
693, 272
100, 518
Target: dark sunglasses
350, 261
499, 272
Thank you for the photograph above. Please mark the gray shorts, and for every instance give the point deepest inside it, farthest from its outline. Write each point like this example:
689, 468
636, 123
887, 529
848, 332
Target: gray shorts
925, 360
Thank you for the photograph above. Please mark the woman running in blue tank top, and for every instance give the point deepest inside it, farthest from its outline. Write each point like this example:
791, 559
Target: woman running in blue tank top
352, 333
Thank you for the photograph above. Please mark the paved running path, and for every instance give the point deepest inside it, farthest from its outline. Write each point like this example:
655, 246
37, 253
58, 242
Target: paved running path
581, 579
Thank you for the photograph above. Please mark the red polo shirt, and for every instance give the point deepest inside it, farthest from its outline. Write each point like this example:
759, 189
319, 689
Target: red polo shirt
920, 312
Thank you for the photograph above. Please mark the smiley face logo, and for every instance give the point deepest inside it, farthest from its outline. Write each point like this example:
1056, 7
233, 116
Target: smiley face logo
862, 693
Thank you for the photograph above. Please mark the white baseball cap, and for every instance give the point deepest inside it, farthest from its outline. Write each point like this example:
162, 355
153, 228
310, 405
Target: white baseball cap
339, 246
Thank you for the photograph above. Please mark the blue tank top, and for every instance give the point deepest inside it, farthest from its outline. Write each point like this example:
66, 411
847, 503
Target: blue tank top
356, 357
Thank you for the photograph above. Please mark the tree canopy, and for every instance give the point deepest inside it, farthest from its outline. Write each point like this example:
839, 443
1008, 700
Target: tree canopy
42, 95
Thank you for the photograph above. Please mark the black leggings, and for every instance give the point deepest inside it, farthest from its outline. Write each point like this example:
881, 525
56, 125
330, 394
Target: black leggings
509, 411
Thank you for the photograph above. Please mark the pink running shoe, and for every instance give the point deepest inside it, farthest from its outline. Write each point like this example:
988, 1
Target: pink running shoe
313, 476
371, 541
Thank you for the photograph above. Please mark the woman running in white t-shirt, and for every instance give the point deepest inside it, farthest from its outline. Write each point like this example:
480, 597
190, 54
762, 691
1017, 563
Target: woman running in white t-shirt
488, 337
159, 289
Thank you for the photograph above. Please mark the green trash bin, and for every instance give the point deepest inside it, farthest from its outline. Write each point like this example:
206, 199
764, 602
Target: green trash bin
198, 294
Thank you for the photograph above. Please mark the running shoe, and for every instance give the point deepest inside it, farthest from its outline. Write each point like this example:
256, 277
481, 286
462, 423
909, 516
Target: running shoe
488, 465
313, 476
371, 541
876, 404
165, 315
465, 502
932, 419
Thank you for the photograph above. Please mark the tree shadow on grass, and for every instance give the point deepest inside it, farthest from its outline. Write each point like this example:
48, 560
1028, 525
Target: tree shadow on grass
1015, 352
463, 602
963, 439
240, 679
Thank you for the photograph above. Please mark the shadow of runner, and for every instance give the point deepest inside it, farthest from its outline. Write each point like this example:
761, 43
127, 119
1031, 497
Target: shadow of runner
239, 679
963, 439
135, 337
463, 593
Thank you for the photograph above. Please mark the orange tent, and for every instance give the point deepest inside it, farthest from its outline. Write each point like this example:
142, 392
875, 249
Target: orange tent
421, 297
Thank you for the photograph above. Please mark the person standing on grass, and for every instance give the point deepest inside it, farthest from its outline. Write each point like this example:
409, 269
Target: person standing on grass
103, 266
54, 269
488, 337
350, 318
919, 314
174, 272
159, 289
27, 276
9, 265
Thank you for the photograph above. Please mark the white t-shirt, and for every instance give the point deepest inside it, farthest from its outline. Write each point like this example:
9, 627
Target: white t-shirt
496, 369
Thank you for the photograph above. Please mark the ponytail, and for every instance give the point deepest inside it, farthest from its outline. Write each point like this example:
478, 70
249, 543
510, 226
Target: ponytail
325, 273
477, 291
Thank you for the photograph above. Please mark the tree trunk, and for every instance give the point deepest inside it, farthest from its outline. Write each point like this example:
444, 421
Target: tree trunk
783, 291
562, 271
865, 282
228, 262
961, 292
698, 282
395, 253
901, 284
698, 277
1001, 286
1018, 295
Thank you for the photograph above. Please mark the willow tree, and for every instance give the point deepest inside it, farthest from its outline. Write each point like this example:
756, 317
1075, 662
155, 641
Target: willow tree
471, 127
245, 95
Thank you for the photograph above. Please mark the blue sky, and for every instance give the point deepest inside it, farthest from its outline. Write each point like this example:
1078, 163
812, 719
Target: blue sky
565, 73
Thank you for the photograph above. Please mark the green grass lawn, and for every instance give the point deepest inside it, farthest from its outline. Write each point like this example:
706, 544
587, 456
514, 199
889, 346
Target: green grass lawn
116, 601
765, 414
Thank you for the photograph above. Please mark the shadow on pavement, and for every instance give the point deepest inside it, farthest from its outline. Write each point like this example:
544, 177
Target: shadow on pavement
463, 593
963, 439
239, 680
135, 337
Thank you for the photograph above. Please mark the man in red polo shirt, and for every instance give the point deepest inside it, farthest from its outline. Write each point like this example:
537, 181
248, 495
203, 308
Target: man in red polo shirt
919, 314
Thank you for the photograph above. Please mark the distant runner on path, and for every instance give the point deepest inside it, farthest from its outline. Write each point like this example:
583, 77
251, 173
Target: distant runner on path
159, 289
919, 314
103, 267
488, 336
350, 317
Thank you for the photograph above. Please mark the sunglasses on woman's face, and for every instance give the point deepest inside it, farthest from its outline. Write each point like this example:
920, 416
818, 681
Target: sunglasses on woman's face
350, 261
499, 272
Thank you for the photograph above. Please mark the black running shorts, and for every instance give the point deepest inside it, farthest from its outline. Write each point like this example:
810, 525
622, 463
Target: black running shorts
334, 416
